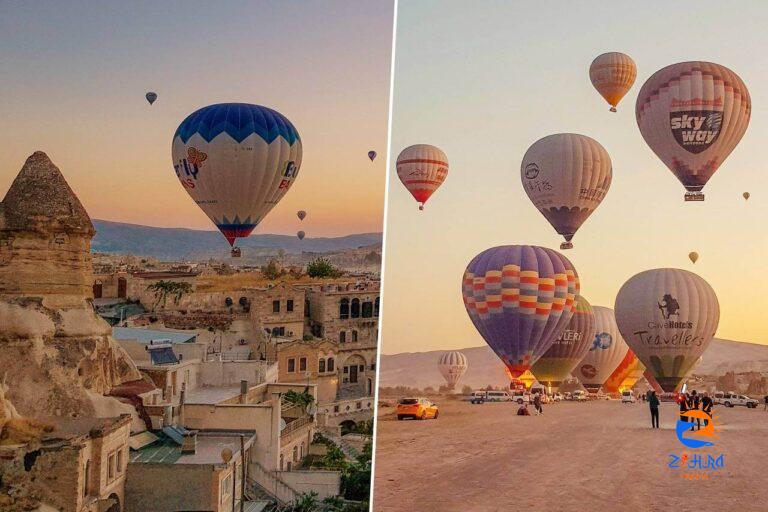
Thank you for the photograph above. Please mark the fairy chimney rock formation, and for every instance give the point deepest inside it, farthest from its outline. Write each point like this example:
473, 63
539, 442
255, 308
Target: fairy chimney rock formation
59, 356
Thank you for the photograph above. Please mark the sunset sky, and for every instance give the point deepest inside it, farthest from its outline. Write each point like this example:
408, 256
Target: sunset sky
73, 82
484, 82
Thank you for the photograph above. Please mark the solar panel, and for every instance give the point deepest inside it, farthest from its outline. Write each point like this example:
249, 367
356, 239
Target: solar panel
163, 355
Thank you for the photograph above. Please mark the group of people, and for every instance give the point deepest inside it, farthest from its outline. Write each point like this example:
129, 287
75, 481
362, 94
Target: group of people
687, 402
523, 409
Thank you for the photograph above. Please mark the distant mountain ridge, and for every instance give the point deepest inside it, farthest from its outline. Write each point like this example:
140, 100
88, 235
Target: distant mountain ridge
419, 369
192, 244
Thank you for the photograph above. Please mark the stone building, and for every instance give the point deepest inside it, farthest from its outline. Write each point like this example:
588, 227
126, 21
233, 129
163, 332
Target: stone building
311, 361
58, 355
80, 467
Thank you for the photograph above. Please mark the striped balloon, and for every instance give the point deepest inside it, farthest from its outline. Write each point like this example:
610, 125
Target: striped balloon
452, 366
566, 176
692, 115
520, 299
669, 317
613, 75
625, 375
236, 161
568, 349
422, 169
607, 350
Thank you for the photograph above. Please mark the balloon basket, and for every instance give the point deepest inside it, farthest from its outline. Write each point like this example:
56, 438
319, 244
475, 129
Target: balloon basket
694, 196
613, 109
421, 207
566, 245
235, 252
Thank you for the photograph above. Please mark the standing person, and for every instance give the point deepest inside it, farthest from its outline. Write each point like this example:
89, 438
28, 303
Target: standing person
706, 406
694, 403
682, 400
537, 404
766, 403
653, 402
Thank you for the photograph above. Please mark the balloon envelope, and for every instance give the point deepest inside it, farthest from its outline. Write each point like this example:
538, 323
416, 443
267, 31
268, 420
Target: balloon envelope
566, 176
668, 317
452, 366
372, 155
151, 97
422, 169
692, 115
693, 256
301, 214
300, 234
746, 195
605, 353
236, 161
520, 298
613, 75
568, 349
629, 370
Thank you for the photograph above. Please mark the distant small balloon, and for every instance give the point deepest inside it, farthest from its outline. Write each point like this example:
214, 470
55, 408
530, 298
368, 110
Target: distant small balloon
694, 257
746, 195
300, 234
372, 155
301, 214
151, 97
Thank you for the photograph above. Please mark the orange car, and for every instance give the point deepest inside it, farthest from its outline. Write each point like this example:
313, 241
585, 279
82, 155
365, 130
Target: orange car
416, 408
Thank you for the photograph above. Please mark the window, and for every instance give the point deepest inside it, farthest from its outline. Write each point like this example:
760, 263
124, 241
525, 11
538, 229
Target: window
342, 336
373, 367
361, 368
289, 305
306, 308
321, 366
367, 309
282, 462
346, 369
291, 365
344, 309
376, 307
303, 364
86, 478
278, 331
295, 453
275, 306
111, 467
355, 308
330, 364
354, 336
359, 405
119, 460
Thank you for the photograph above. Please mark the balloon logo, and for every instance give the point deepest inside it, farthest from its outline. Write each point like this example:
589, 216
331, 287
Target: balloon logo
422, 169
613, 75
692, 115
236, 161
372, 155
151, 97
694, 257
566, 176
602, 341
588, 371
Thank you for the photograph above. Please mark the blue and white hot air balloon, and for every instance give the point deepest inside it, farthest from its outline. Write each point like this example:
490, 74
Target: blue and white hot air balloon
237, 161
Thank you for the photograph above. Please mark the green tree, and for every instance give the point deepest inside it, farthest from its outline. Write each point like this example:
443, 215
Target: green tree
322, 267
271, 270
164, 289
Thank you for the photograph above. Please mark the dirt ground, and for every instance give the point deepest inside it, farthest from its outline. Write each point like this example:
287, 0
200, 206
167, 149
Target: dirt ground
597, 456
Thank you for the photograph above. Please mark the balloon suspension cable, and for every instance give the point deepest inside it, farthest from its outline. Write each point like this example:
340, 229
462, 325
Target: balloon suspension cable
566, 245
421, 206
613, 109
694, 196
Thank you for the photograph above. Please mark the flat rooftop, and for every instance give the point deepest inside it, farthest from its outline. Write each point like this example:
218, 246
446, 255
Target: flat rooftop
209, 447
144, 336
211, 396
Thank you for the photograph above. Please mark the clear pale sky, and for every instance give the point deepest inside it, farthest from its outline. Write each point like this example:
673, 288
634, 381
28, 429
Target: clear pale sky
74, 74
484, 81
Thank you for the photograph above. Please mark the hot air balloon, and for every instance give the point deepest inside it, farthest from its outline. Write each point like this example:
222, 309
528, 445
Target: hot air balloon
151, 97
301, 214
692, 115
452, 366
693, 256
668, 317
607, 350
236, 161
520, 298
300, 234
746, 196
568, 349
626, 374
422, 169
372, 155
566, 177
613, 74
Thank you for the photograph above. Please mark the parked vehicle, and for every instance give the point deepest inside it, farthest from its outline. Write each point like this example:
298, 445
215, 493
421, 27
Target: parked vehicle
417, 408
579, 396
567, 396
482, 396
628, 397
520, 396
558, 397
732, 400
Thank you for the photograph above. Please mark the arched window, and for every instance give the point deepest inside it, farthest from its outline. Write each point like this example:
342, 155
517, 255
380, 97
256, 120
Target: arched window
376, 307
344, 309
367, 309
330, 364
354, 336
355, 308
321, 366
342, 336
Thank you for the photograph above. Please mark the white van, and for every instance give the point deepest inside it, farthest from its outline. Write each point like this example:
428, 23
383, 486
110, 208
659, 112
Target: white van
628, 397
579, 396
498, 396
